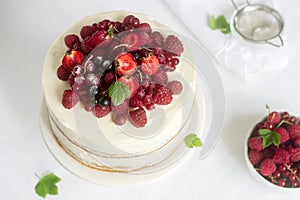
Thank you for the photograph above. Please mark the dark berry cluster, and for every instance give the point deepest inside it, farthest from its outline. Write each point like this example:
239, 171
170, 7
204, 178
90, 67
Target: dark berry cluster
129, 52
280, 164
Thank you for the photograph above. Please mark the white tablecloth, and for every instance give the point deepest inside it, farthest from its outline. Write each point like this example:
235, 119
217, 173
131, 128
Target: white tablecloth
27, 28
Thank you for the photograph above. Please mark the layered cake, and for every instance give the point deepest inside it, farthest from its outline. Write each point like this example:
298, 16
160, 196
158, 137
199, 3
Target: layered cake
119, 88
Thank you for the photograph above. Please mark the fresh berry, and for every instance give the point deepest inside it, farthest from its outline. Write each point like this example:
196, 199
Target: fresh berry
150, 64
138, 117
126, 64
110, 77
162, 95
294, 131
70, 99
97, 38
119, 119
135, 102
284, 135
255, 156
71, 59
267, 167
282, 182
93, 79
175, 86
255, 143
297, 142
144, 38
269, 125
63, 73
132, 84
121, 109
71, 41
274, 117
132, 41
86, 31
281, 156
101, 111
157, 39
295, 154
160, 77
145, 27
173, 45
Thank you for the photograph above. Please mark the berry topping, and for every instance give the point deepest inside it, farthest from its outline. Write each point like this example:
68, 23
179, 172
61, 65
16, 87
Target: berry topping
101, 111
63, 73
132, 84
267, 167
126, 64
121, 109
70, 99
138, 117
175, 86
72, 41
160, 77
162, 95
150, 64
173, 45
132, 41
157, 39
86, 31
72, 59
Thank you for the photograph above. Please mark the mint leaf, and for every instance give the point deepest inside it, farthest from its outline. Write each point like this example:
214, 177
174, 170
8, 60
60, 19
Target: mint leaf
47, 185
118, 92
269, 137
219, 23
192, 140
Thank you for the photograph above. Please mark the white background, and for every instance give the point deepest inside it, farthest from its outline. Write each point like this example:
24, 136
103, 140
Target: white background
27, 29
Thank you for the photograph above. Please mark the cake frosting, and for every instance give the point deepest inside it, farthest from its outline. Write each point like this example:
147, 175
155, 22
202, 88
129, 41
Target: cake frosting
100, 143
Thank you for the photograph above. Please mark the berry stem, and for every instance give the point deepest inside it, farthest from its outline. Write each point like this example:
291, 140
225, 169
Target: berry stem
268, 108
283, 121
288, 167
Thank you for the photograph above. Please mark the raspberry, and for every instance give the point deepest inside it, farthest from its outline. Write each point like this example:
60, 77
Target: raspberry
70, 99
85, 45
138, 117
86, 31
175, 87
157, 39
160, 77
267, 167
255, 156
101, 111
63, 73
71, 40
297, 142
144, 38
121, 109
295, 154
269, 152
284, 135
173, 45
281, 156
162, 95
255, 143
135, 102
294, 131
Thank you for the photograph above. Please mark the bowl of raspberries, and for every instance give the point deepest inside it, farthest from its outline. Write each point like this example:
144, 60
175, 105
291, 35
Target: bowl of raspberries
272, 150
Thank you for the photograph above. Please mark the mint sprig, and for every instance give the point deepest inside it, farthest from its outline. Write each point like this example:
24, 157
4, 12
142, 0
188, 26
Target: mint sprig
219, 23
118, 92
269, 137
47, 185
192, 140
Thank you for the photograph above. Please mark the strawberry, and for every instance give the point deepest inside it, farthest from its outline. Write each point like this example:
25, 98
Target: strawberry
126, 64
70, 99
294, 131
132, 41
138, 117
150, 64
132, 84
72, 58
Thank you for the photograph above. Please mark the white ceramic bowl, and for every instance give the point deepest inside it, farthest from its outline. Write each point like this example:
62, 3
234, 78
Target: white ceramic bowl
255, 173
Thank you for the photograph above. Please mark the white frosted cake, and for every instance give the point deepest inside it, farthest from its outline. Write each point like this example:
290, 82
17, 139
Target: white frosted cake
102, 142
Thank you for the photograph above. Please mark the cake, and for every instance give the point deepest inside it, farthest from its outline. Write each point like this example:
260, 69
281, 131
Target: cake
104, 142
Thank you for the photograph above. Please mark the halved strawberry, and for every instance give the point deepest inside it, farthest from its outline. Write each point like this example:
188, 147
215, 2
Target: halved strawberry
132, 84
150, 64
72, 58
132, 41
126, 64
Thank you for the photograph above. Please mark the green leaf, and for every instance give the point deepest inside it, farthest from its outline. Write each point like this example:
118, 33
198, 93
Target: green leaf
269, 137
47, 185
118, 92
219, 23
192, 140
